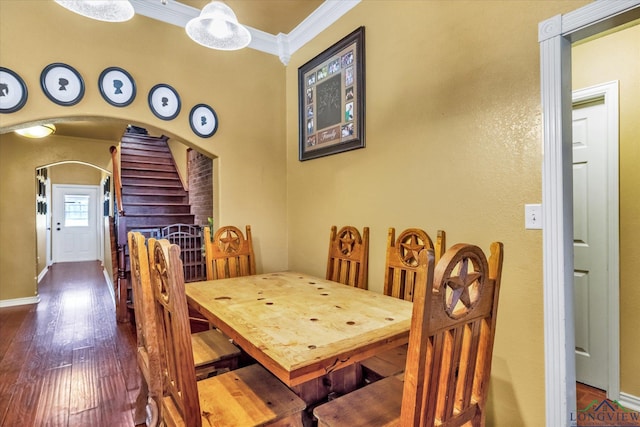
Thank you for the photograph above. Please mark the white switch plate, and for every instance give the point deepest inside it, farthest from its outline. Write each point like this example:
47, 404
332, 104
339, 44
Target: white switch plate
533, 217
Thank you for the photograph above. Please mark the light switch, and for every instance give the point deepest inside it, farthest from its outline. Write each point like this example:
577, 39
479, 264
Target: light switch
533, 217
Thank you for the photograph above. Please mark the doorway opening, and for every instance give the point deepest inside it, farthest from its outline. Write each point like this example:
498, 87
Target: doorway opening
596, 236
556, 36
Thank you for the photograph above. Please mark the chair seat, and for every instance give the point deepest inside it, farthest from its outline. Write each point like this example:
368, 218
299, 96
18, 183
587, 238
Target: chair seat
374, 405
213, 352
248, 396
387, 364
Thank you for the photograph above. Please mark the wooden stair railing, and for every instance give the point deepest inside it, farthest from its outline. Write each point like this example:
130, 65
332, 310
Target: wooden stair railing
122, 313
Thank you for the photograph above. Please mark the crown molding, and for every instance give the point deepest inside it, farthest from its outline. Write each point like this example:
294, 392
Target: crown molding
319, 20
169, 11
280, 45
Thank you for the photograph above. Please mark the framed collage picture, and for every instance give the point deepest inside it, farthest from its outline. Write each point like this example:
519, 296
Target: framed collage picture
331, 99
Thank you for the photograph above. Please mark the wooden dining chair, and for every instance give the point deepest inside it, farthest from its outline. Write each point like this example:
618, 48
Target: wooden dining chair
448, 368
249, 396
348, 256
147, 408
401, 269
213, 352
228, 253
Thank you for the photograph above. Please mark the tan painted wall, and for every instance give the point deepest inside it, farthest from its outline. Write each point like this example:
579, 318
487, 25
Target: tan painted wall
179, 153
74, 173
617, 57
454, 143
246, 88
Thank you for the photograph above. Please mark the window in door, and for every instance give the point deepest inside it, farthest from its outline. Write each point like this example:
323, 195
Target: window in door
76, 210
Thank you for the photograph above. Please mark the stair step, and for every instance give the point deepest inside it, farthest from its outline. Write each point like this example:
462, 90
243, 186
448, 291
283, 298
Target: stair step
149, 162
151, 198
145, 146
143, 190
149, 181
143, 139
159, 221
154, 209
138, 173
131, 165
146, 153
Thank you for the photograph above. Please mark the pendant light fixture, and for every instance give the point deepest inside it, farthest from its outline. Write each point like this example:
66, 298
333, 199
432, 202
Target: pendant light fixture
102, 10
217, 28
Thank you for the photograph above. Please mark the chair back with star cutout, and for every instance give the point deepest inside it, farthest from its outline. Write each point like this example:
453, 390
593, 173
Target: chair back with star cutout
401, 266
453, 324
228, 253
348, 256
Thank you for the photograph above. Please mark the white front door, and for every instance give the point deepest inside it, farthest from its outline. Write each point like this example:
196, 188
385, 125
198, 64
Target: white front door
74, 223
591, 240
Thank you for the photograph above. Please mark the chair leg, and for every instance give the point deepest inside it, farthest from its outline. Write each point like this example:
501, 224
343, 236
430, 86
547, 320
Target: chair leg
153, 413
140, 414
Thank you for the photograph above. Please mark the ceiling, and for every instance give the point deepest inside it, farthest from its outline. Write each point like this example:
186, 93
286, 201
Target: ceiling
270, 16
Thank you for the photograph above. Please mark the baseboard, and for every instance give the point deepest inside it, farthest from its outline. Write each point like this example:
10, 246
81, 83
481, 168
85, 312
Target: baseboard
44, 271
19, 301
629, 401
109, 284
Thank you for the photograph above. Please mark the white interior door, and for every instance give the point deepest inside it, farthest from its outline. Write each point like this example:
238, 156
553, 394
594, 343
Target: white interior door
74, 224
591, 240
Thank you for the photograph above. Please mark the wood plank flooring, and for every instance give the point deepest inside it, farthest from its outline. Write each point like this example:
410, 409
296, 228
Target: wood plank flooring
65, 361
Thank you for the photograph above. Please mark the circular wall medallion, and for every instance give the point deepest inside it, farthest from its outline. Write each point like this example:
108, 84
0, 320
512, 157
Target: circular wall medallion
117, 87
164, 102
203, 120
62, 84
13, 91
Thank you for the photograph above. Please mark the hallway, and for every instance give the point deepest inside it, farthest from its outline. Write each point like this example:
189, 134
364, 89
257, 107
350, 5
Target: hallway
65, 361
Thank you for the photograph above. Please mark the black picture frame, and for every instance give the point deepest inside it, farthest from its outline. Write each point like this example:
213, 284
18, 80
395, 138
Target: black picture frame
13, 91
203, 120
164, 102
117, 87
62, 84
331, 99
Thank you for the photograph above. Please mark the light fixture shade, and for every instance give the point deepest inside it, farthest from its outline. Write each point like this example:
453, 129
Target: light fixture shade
38, 131
217, 28
102, 10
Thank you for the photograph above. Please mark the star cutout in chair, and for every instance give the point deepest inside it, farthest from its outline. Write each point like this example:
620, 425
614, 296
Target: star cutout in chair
346, 243
410, 250
460, 287
230, 242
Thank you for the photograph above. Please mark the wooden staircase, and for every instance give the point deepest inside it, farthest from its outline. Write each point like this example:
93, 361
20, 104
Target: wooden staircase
152, 193
150, 198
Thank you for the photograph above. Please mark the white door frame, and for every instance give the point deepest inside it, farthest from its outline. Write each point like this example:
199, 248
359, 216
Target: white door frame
555, 36
609, 92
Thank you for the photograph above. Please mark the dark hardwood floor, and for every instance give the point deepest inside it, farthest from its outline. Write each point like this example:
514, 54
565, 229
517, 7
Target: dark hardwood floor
594, 409
65, 361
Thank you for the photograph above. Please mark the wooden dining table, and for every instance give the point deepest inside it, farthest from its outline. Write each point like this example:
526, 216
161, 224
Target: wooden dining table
302, 328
